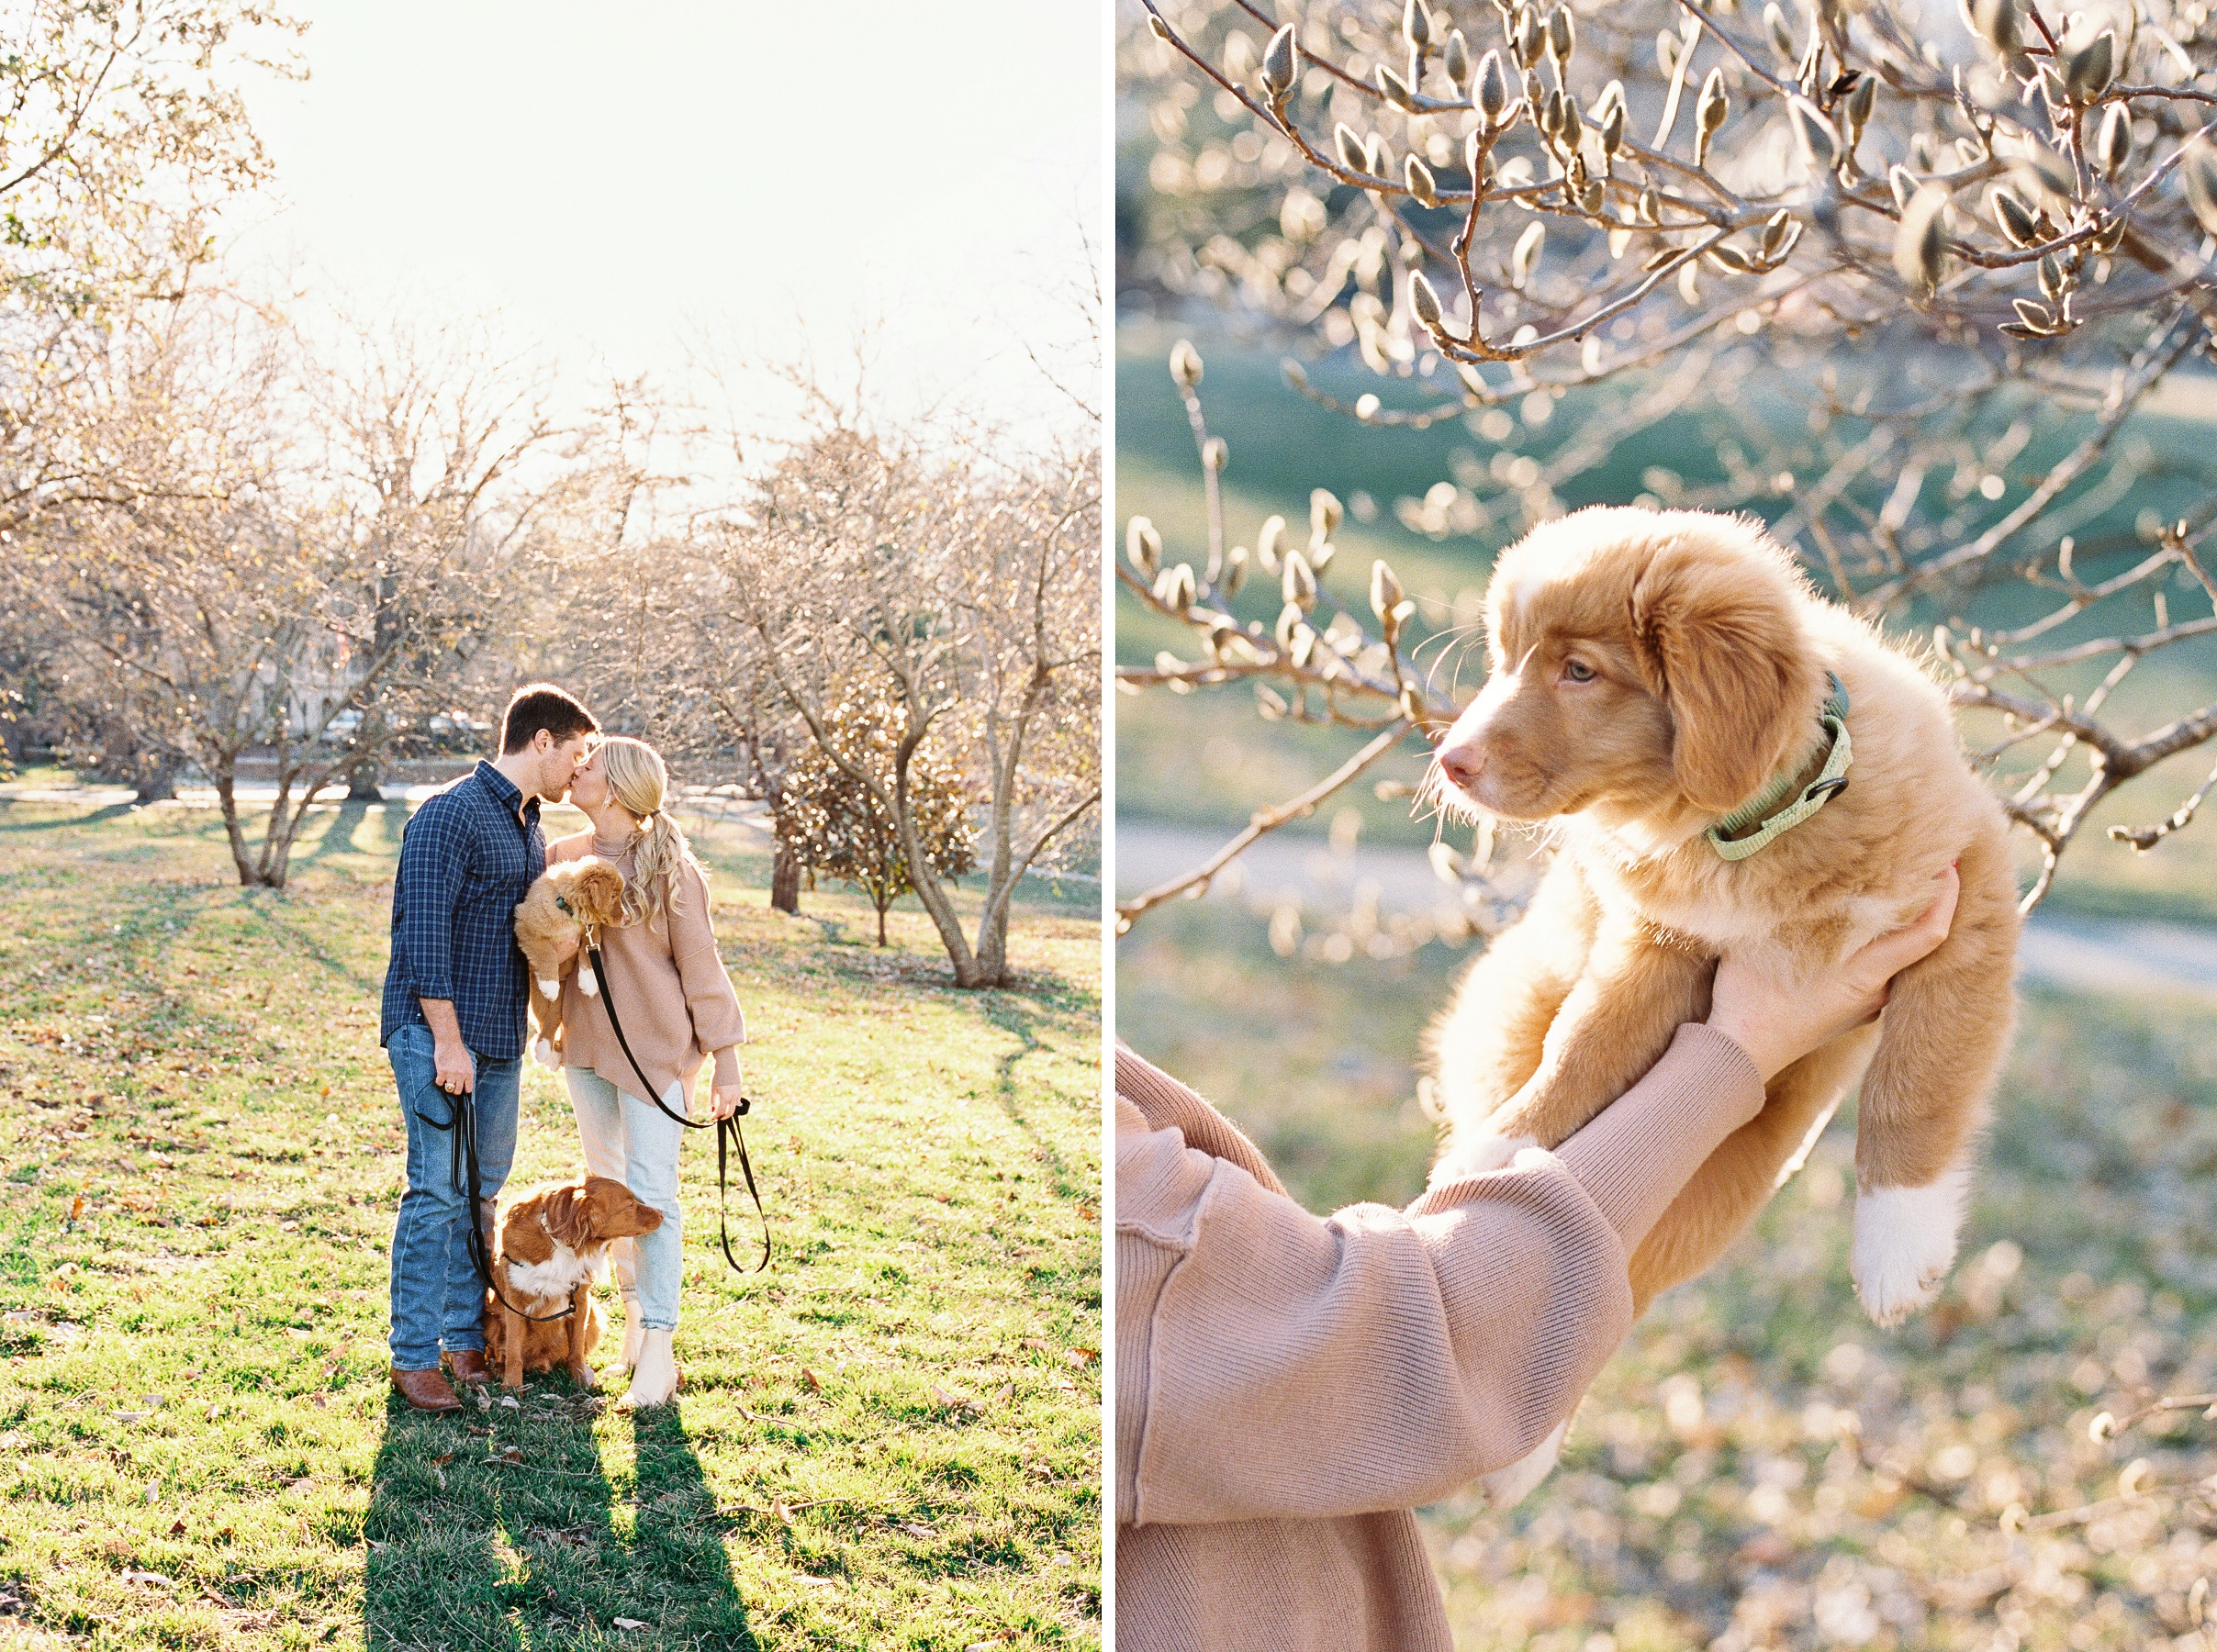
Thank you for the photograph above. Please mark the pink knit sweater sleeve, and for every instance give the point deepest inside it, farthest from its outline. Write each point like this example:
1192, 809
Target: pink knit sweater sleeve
718, 1024
1275, 1363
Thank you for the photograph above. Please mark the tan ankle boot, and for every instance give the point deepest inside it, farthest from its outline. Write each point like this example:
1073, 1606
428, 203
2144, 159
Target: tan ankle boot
654, 1376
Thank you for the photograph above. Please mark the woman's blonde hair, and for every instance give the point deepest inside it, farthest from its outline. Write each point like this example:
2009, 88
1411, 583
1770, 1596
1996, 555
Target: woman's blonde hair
637, 782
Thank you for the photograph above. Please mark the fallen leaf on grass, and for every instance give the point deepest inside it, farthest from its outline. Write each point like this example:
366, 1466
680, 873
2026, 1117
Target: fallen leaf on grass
510, 1403
818, 1582
628, 1623
132, 1416
512, 1454
1079, 1356
147, 1579
814, 1383
780, 1514
999, 1640
442, 1460
915, 1530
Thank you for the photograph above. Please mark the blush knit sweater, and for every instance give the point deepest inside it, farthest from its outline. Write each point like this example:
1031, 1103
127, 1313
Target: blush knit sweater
1290, 1386
676, 1002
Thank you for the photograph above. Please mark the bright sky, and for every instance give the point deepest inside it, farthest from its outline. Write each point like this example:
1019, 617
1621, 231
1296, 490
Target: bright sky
616, 180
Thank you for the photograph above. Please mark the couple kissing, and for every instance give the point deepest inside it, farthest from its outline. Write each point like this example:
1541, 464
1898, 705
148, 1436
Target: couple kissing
454, 1026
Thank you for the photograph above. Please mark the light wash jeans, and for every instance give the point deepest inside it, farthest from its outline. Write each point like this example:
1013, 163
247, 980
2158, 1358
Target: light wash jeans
438, 1299
629, 1140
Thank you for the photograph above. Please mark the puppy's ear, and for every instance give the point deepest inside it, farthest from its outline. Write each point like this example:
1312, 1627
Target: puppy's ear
1715, 625
600, 891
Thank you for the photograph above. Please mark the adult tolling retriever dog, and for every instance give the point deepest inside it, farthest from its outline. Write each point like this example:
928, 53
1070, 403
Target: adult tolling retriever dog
1667, 692
554, 1245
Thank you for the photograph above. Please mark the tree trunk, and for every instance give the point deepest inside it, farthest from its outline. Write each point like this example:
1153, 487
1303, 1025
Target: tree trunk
785, 879
882, 904
362, 783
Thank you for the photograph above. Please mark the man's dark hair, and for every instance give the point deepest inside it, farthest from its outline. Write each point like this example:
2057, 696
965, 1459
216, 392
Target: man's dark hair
543, 706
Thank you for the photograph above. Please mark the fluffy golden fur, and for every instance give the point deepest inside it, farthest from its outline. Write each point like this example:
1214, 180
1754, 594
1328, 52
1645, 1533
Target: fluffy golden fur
1649, 673
550, 937
554, 1244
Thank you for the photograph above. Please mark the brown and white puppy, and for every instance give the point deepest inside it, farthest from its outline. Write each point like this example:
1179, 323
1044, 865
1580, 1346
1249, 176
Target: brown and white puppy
564, 911
554, 1245
1650, 671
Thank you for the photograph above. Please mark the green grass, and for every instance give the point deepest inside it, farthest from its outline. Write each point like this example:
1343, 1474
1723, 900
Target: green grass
890, 1439
1708, 1496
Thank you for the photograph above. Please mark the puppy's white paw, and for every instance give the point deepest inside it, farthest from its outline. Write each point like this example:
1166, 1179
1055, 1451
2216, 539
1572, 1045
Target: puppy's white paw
1506, 1488
542, 1052
548, 987
1474, 1153
1904, 1243
587, 982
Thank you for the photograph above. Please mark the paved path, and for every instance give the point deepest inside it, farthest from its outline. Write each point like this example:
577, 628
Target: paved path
2084, 955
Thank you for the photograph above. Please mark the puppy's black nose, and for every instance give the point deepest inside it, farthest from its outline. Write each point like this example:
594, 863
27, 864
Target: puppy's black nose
1463, 764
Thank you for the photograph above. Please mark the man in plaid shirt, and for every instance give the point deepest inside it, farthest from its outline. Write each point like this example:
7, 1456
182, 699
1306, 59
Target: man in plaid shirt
454, 1022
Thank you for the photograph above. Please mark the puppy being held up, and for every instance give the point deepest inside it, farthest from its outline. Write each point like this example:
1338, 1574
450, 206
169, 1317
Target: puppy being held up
1725, 759
554, 1245
565, 910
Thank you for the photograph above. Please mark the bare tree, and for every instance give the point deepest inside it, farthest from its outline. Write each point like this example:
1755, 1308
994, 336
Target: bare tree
319, 559
1970, 257
974, 594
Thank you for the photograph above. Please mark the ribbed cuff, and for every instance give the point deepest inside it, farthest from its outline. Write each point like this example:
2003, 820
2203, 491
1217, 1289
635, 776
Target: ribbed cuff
1637, 1152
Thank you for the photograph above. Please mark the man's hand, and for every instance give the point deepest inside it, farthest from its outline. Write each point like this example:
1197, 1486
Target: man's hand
454, 1071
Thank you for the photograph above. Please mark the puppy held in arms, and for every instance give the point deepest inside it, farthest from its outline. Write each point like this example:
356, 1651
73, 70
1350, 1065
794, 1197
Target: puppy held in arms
554, 1245
1724, 759
565, 909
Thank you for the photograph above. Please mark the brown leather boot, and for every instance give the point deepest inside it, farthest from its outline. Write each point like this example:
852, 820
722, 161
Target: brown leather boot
426, 1390
467, 1365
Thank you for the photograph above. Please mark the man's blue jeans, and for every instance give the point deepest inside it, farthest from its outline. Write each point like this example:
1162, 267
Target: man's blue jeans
438, 1299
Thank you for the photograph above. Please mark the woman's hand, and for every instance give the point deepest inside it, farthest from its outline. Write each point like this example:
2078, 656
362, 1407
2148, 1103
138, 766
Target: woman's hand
724, 1099
1779, 1021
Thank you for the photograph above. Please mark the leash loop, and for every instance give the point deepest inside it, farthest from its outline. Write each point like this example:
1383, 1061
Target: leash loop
462, 1120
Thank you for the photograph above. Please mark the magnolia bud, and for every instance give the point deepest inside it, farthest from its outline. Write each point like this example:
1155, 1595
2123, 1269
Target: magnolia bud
2017, 221
1858, 106
1612, 130
1269, 543
1143, 545
1490, 89
1456, 58
2200, 170
1214, 455
1920, 243
1234, 572
1709, 110
1416, 24
2087, 72
2000, 23
1279, 61
1185, 364
1419, 177
1324, 515
1352, 154
1562, 34
1423, 303
1781, 32
1385, 590
2113, 147
1299, 584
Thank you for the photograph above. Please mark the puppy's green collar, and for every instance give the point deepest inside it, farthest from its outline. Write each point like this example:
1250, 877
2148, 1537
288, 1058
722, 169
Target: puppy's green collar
1830, 782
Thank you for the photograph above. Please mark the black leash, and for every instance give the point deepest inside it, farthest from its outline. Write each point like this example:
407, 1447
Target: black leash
462, 1120
728, 1133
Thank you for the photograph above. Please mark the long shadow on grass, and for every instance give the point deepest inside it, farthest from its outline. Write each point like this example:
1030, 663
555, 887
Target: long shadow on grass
1013, 1016
470, 1551
678, 1543
106, 811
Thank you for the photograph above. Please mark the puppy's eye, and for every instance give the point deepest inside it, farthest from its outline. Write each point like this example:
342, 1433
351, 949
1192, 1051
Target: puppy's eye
1578, 671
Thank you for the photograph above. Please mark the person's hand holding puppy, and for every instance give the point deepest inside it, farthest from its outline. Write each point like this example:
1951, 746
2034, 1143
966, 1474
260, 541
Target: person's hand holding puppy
1778, 1020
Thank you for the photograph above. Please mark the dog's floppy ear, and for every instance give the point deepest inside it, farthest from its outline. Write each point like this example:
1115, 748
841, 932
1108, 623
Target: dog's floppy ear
565, 1216
600, 890
1715, 629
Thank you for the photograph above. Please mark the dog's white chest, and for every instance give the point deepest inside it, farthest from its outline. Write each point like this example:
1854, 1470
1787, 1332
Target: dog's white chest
559, 1275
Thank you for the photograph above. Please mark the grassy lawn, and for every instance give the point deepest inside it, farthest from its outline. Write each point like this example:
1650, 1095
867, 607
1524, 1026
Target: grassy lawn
890, 1440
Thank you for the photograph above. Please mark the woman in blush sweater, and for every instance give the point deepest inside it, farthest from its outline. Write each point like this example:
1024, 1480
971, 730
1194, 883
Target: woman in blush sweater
679, 1012
1289, 1387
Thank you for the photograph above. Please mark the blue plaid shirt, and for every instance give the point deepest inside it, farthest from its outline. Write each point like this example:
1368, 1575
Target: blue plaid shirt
466, 857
